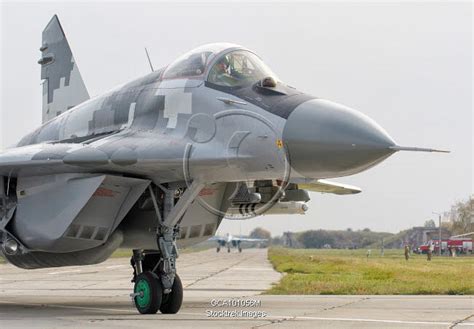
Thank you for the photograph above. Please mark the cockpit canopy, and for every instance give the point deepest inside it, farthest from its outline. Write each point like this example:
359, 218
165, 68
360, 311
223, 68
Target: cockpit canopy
238, 68
222, 64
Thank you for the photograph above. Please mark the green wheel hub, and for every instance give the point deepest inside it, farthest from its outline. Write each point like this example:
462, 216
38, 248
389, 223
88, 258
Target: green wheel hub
148, 293
144, 291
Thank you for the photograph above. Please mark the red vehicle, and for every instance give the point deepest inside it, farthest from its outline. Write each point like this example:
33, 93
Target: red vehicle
460, 245
423, 249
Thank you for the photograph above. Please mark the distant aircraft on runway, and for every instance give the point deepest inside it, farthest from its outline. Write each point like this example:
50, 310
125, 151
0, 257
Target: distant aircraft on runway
232, 241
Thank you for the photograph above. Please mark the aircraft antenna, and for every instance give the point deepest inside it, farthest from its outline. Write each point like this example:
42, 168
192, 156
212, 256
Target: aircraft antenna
149, 60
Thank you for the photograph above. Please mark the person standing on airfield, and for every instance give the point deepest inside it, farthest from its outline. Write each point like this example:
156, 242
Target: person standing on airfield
407, 252
429, 252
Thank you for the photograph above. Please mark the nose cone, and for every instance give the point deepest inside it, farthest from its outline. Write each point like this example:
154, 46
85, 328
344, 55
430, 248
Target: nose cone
325, 139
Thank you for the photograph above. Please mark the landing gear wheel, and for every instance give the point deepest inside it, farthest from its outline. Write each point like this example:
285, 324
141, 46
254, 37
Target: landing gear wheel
240, 249
172, 302
148, 288
218, 249
228, 249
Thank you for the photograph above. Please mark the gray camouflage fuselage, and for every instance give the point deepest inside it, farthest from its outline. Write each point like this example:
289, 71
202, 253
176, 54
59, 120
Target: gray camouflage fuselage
81, 179
143, 128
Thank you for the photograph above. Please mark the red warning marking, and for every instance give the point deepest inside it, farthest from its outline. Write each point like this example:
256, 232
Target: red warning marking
206, 192
104, 192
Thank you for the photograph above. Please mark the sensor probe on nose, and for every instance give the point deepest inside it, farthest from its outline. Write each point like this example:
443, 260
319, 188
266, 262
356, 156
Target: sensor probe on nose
415, 149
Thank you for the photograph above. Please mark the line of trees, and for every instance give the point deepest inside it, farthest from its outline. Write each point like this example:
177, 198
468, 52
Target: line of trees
461, 220
461, 217
260, 233
342, 239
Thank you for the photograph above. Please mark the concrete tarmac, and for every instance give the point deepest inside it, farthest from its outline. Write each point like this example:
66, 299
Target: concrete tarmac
97, 296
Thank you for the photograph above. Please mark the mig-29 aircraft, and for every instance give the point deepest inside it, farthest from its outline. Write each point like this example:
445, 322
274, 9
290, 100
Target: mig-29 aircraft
232, 241
157, 163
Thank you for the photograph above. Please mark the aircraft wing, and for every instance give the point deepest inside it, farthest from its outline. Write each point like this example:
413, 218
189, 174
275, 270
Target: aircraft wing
98, 156
47, 158
63, 157
325, 186
249, 240
216, 238
35, 159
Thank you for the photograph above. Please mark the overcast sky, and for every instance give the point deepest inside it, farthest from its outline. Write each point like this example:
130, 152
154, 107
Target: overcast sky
408, 66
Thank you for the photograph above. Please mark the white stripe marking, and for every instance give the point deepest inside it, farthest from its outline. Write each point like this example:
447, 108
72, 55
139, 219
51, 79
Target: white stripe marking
114, 266
128, 311
63, 272
367, 320
468, 324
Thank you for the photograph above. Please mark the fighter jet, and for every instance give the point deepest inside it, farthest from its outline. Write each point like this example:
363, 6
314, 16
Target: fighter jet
232, 241
157, 163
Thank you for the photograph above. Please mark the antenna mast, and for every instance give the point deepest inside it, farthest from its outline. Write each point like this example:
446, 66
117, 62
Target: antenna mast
149, 60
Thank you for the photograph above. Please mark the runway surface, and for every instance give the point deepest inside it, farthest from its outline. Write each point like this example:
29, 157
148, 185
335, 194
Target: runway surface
98, 297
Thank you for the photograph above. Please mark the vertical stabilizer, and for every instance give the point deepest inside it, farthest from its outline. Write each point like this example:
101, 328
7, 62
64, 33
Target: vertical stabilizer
63, 86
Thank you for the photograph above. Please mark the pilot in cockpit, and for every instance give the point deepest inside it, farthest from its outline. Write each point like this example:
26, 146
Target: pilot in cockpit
223, 74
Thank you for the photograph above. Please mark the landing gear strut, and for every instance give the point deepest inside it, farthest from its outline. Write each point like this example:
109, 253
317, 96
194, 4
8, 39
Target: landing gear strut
157, 285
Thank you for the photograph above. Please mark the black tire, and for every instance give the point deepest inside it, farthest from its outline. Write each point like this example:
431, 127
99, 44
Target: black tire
172, 301
149, 285
218, 249
240, 249
228, 249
